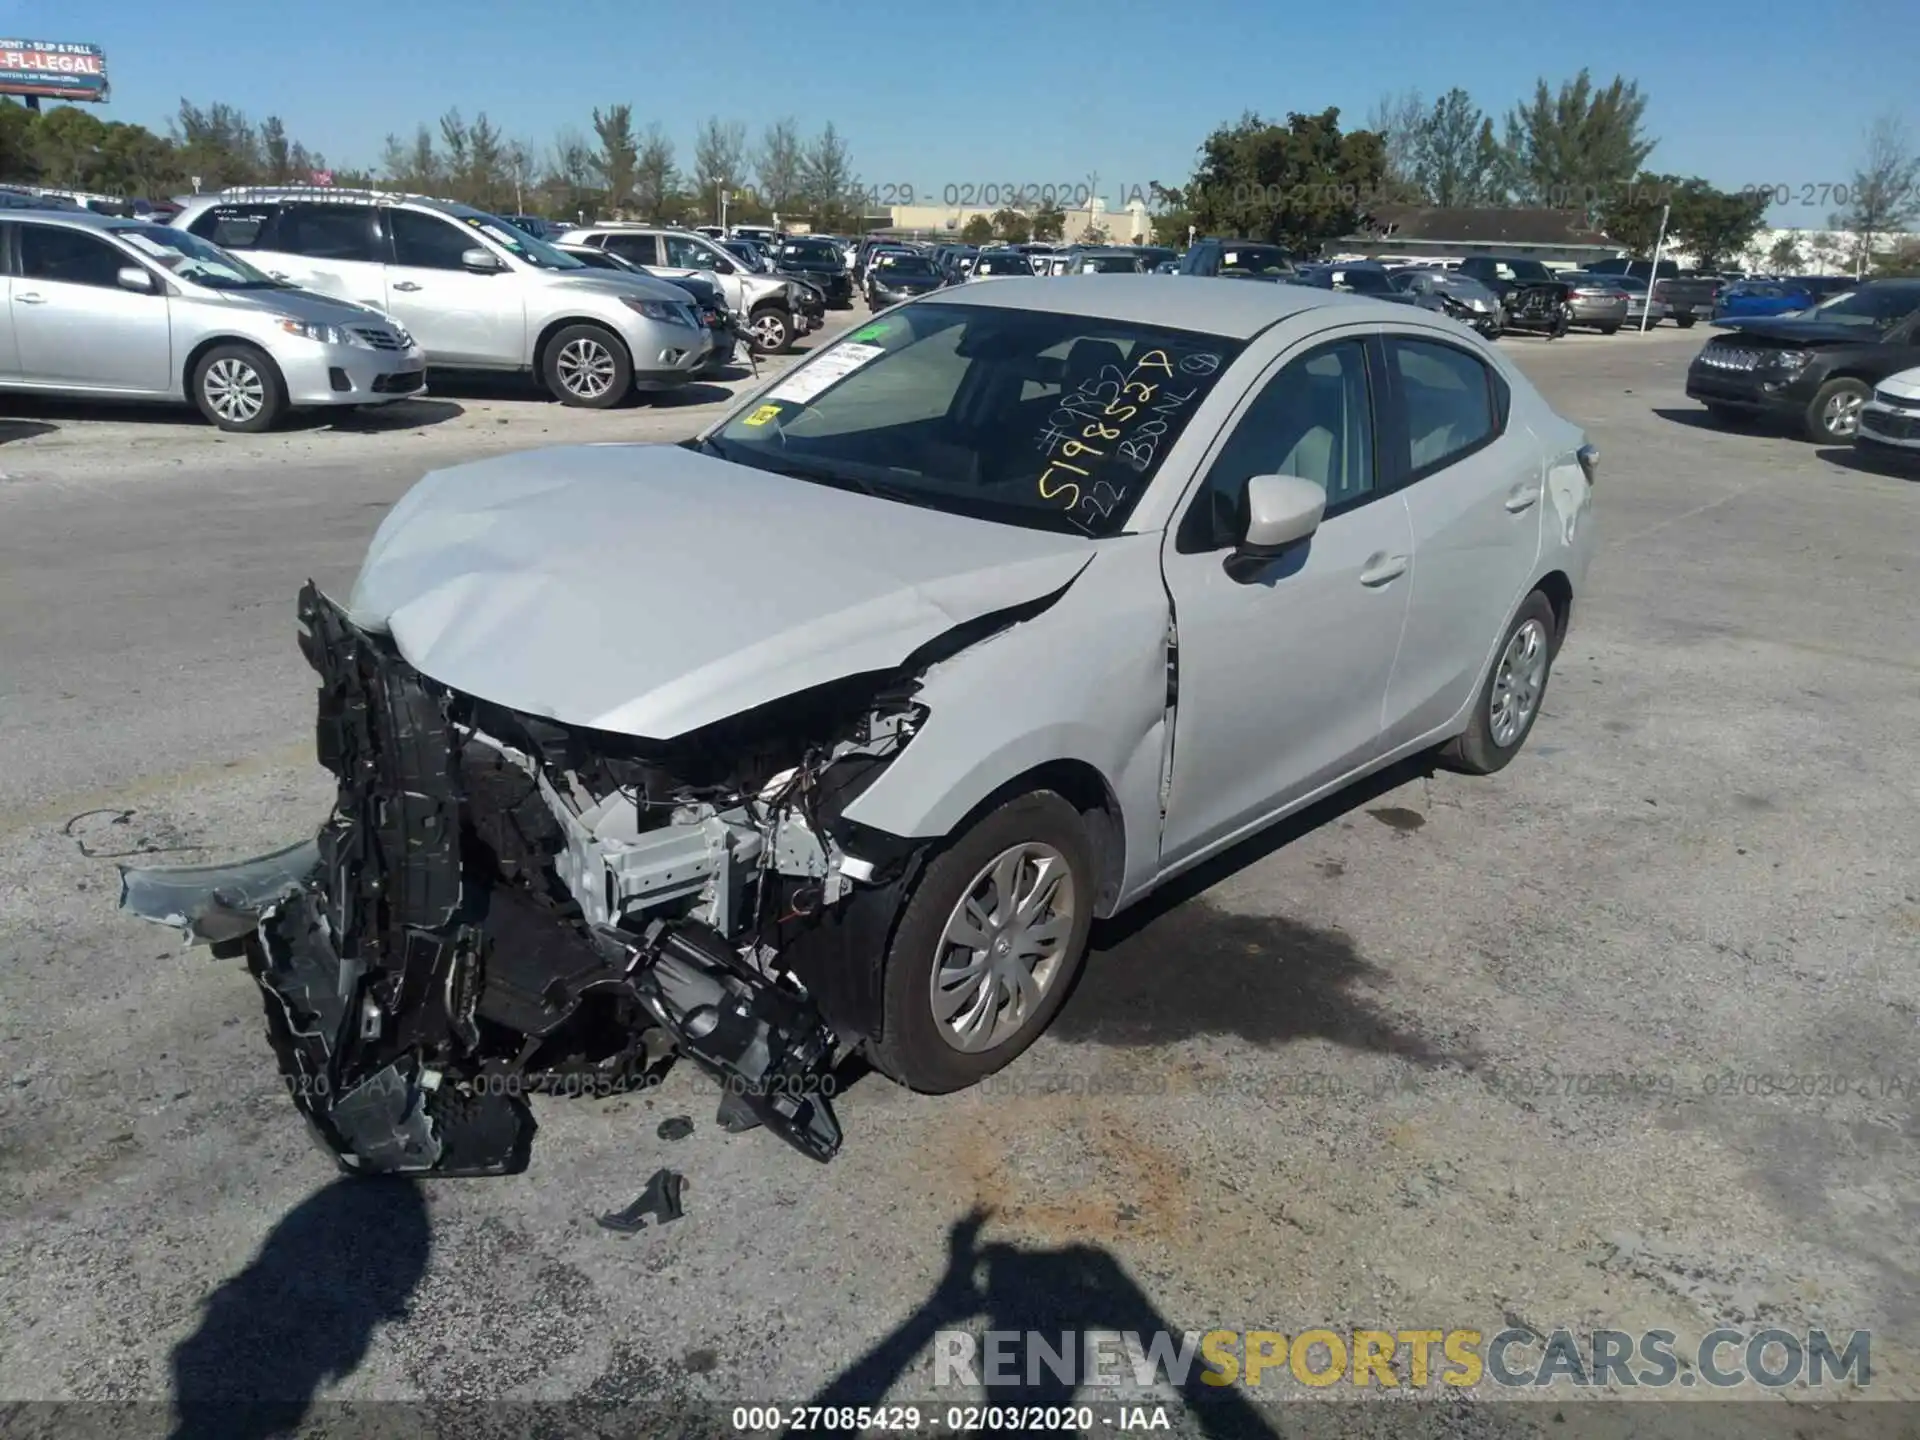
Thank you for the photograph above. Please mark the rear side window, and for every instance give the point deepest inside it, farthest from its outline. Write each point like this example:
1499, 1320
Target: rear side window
233, 227
328, 232
640, 249
1452, 404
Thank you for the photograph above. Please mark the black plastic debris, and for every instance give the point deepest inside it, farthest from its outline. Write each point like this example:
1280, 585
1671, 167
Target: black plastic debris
661, 1200
675, 1127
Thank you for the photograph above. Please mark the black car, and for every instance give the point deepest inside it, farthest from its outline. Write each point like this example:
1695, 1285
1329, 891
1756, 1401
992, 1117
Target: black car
892, 278
1238, 260
1816, 369
820, 264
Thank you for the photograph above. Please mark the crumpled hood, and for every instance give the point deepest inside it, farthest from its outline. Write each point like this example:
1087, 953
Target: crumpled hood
650, 590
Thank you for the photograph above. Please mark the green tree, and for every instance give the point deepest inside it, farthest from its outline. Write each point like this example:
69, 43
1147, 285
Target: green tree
780, 167
1401, 121
977, 231
1784, 257
1901, 258
1573, 148
1884, 194
19, 158
487, 177
1049, 222
569, 184
276, 151
218, 143
1171, 216
413, 166
1012, 226
828, 183
617, 161
656, 180
1716, 225
719, 160
1456, 159
1300, 184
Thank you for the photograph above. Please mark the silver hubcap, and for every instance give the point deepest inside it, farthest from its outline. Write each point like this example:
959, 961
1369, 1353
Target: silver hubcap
1517, 683
1004, 947
586, 368
235, 390
1842, 415
770, 331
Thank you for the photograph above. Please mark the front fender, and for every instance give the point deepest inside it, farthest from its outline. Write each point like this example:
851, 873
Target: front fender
1083, 681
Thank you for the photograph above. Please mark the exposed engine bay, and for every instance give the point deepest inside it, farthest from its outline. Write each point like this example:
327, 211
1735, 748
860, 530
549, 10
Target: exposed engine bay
501, 906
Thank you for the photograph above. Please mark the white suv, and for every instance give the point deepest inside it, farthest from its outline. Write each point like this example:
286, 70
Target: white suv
477, 293
772, 305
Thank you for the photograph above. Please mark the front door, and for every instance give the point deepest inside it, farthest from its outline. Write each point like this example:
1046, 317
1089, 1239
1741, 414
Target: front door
1282, 668
75, 326
459, 317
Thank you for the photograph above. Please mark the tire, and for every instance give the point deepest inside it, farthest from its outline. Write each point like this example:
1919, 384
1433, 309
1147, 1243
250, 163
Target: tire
915, 1048
1487, 746
1833, 416
769, 330
1609, 329
239, 389
1685, 322
587, 367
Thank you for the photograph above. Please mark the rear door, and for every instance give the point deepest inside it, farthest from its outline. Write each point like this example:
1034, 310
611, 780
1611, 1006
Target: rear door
335, 249
1474, 490
73, 324
459, 316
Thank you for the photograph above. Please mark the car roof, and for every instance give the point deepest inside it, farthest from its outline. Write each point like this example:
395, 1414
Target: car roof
80, 219
1234, 309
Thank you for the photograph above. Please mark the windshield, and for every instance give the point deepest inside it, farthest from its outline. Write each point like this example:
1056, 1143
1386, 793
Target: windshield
1875, 305
194, 259
1254, 260
1052, 422
519, 244
906, 264
1109, 265
1002, 265
818, 250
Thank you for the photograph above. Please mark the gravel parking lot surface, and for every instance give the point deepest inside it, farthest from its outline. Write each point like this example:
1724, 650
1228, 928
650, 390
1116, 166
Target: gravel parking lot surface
1624, 1036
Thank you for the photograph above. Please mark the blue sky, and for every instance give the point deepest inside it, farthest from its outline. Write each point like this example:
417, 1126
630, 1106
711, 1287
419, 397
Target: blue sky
1034, 92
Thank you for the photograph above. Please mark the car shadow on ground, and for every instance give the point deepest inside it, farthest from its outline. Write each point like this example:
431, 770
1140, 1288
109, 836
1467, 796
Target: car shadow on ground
11, 430
378, 419
1894, 467
303, 1312
1695, 418
1073, 1289
1176, 966
492, 385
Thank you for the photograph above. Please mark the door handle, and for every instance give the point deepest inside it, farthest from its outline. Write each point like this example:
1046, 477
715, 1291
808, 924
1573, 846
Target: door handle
1523, 498
1382, 567
405, 285
31, 298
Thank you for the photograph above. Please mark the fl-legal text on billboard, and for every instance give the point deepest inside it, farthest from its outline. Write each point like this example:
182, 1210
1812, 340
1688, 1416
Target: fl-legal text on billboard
53, 69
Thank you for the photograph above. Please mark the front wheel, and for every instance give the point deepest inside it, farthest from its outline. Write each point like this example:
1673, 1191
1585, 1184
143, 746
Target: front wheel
1610, 329
1834, 415
587, 367
769, 330
1510, 699
1685, 322
987, 947
239, 389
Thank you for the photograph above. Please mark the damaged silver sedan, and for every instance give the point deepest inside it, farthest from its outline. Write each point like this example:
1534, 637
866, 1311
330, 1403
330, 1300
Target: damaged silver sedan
834, 729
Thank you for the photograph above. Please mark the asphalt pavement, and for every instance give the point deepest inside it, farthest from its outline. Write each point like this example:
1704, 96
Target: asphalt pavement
1622, 1037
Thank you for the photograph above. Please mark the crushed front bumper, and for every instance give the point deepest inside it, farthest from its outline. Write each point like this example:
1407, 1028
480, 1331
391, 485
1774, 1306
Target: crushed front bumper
418, 991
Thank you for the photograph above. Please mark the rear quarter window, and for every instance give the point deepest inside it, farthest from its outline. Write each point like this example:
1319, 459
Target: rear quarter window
234, 227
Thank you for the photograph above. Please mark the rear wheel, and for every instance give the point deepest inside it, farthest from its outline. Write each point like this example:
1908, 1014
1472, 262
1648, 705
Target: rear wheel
586, 366
1610, 329
988, 945
1510, 699
770, 330
239, 389
1685, 322
1834, 414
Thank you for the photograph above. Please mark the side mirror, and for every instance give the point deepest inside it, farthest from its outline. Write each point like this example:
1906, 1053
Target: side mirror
132, 277
481, 261
1282, 510
723, 266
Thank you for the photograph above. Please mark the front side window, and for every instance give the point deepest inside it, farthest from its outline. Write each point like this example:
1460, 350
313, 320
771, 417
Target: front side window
686, 253
516, 242
1449, 401
639, 249
1877, 306
1314, 420
68, 257
1052, 422
426, 241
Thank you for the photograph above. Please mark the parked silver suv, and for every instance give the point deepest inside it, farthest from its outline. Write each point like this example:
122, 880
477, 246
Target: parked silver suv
773, 305
479, 293
98, 306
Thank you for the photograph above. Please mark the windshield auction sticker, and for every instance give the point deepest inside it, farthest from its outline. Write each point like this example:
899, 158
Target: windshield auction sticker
825, 371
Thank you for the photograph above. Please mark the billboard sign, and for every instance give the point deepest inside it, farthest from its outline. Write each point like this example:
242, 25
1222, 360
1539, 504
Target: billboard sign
57, 70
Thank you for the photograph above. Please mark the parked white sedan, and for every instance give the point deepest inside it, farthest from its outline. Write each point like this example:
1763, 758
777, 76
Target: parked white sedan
1889, 426
838, 726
